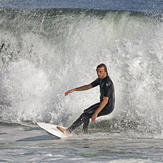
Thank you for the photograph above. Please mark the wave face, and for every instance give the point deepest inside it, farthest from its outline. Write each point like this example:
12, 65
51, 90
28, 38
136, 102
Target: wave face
45, 52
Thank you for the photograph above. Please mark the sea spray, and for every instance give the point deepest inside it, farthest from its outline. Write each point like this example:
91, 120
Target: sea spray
46, 53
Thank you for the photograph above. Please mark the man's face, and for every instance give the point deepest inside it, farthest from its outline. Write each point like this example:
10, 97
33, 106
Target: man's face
101, 73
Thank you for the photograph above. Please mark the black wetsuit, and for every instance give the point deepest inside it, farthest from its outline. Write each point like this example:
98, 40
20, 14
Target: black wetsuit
106, 90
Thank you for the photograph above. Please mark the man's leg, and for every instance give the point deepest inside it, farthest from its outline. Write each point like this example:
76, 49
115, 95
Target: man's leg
84, 118
91, 110
85, 126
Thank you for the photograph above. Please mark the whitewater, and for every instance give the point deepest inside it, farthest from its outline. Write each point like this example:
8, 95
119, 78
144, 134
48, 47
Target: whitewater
46, 51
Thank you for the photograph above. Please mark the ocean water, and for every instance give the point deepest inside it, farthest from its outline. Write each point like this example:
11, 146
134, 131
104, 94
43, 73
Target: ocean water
48, 47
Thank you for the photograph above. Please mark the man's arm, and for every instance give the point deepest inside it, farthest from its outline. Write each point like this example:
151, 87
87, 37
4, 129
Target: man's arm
82, 88
102, 105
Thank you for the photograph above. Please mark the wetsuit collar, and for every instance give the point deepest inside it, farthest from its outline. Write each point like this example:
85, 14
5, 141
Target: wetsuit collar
105, 77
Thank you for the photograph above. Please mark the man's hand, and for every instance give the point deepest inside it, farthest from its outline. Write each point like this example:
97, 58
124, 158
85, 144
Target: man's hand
94, 116
69, 91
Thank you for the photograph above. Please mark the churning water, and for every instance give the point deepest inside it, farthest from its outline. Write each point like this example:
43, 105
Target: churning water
44, 52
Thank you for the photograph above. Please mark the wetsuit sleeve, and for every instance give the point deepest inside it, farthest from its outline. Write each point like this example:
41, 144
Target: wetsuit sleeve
96, 82
108, 89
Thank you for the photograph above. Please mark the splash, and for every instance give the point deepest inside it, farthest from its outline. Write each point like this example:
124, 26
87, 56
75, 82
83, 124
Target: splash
25, 88
51, 53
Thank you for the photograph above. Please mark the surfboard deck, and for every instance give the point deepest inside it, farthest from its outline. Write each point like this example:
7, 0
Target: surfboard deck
52, 129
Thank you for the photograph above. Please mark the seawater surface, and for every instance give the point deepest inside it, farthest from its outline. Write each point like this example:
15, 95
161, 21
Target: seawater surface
30, 144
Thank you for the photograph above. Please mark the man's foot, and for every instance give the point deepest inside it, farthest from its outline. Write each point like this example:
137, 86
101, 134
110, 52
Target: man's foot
67, 132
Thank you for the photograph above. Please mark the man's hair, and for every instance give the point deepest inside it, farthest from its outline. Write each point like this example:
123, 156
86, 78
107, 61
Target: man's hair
102, 65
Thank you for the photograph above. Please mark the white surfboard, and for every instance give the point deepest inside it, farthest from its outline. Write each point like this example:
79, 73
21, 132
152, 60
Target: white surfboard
52, 129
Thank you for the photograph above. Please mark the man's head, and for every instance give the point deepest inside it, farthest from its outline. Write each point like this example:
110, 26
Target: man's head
102, 71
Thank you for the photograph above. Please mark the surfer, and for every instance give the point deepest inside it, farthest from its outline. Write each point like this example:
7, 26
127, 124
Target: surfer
104, 107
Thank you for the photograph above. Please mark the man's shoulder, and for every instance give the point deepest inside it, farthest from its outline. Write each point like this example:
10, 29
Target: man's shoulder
97, 80
95, 83
108, 81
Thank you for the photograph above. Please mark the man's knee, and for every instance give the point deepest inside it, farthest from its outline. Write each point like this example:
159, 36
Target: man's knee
106, 111
84, 116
